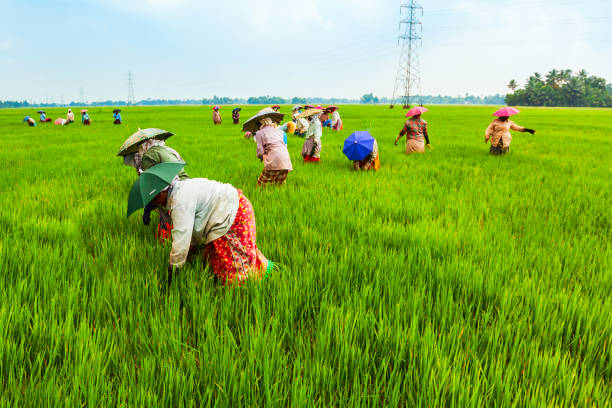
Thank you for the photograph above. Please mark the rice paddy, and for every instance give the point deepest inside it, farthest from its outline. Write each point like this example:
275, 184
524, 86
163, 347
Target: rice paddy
451, 278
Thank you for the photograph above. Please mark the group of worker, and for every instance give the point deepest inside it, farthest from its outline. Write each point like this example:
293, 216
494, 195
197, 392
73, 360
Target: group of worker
85, 118
215, 221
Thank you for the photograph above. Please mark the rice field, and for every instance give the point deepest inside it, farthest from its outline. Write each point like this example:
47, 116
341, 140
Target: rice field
452, 278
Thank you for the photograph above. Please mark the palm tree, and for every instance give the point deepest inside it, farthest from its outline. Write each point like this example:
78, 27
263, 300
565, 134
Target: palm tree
552, 78
513, 85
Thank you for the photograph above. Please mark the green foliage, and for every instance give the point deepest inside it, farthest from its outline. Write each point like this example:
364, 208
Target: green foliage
452, 278
369, 98
562, 88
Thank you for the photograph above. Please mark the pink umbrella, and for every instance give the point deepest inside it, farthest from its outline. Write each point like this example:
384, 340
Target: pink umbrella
507, 111
59, 121
417, 110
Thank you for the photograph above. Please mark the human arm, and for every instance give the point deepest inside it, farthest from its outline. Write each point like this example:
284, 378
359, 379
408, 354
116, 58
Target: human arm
183, 217
401, 134
517, 128
426, 135
489, 132
260, 145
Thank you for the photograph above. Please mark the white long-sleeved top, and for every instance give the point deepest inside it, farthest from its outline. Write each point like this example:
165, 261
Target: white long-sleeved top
202, 210
315, 130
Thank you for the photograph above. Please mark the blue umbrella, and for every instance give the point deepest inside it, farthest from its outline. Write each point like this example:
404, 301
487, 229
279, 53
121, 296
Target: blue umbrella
25, 119
358, 145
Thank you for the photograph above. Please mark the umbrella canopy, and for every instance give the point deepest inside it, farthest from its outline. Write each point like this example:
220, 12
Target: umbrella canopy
296, 107
358, 145
252, 125
60, 121
308, 106
26, 119
150, 183
83, 110
417, 110
309, 112
275, 106
331, 108
215, 107
131, 143
507, 111
40, 111
116, 110
236, 109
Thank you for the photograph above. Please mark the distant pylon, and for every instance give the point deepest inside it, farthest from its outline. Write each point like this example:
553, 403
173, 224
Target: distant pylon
408, 78
130, 99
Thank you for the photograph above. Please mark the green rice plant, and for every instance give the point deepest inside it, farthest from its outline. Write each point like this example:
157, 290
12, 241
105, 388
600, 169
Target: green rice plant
450, 278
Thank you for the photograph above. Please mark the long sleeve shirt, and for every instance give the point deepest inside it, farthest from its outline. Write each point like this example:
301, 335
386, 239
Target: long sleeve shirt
315, 130
117, 116
335, 118
272, 149
500, 129
414, 129
161, 154
202, 210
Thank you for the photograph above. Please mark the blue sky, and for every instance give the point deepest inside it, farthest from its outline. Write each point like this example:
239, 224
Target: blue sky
51, 49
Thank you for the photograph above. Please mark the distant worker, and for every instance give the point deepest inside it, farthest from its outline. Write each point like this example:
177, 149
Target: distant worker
70, 116
287, 128
498, 131
85, 119
236, 116
43, 116
143, 150
415, 130
276, 108
117, 116
216, 116
211, 219
270, 146
336, 122
311, 150
31, 121
362, 149
324, 118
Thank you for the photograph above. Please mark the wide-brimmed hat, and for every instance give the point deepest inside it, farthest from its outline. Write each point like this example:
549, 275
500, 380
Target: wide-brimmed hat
40, 111
310, 112
83, 110
297, 107
507, 111
252, 125
151, 183
116, 110
131, 143
331, 108
417, 110
236, 109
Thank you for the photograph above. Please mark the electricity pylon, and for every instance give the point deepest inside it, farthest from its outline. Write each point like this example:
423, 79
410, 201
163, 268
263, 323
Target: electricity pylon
130, 99
408, 78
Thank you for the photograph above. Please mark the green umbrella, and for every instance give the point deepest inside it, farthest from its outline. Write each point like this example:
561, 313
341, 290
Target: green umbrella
151, 183
131, 143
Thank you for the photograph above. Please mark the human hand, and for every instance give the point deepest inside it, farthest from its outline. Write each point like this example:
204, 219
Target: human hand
532, 131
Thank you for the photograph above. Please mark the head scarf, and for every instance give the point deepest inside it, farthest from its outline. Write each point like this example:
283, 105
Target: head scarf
266, 122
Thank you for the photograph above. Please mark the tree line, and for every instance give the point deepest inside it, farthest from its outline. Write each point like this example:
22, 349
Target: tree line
562, 88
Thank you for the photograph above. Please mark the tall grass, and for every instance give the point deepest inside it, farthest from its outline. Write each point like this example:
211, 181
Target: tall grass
451, 278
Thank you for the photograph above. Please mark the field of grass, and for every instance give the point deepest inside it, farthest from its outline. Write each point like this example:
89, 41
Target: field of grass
451, 278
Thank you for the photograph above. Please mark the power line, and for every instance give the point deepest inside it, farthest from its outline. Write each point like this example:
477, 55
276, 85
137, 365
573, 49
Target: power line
408, 78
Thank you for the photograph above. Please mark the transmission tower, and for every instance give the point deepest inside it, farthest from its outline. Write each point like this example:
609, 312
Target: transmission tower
408, 78
130, 79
